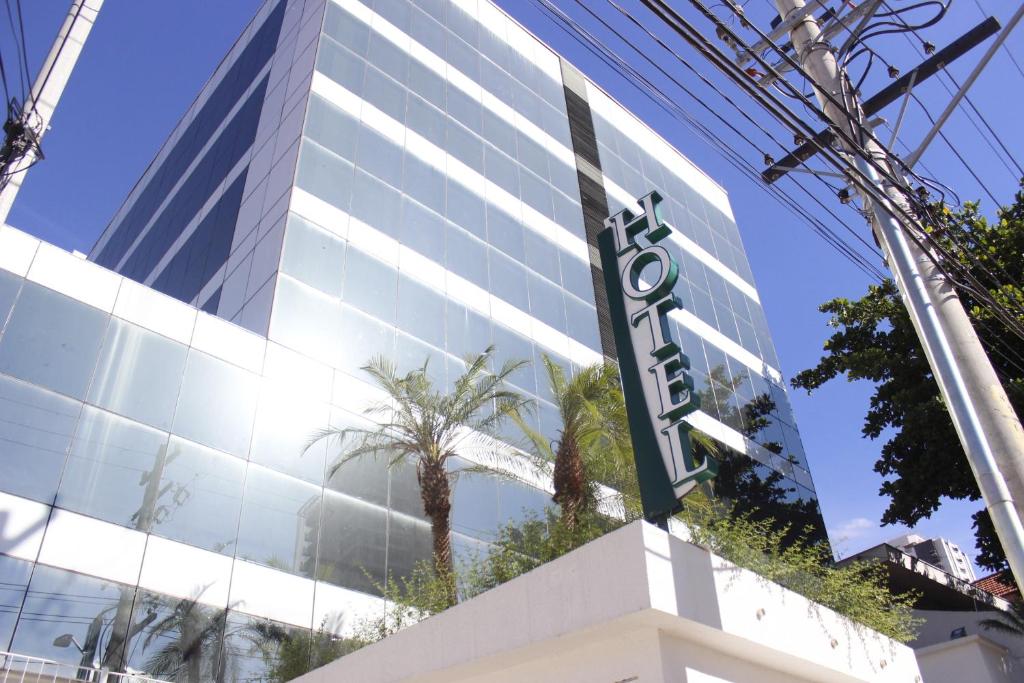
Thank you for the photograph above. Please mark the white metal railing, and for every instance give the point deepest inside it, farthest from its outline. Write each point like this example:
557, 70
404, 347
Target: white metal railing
18, 668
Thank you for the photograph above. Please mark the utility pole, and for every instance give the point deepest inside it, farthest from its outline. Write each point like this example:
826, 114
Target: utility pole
21, 147
989, 430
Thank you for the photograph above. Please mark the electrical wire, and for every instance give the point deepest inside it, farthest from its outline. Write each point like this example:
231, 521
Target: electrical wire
622, 67
855, 138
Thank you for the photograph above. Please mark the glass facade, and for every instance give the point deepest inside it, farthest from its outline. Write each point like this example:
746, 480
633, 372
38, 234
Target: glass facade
427, 205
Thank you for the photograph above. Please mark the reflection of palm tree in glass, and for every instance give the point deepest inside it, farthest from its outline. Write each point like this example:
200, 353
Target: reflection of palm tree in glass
122, 629
196, 643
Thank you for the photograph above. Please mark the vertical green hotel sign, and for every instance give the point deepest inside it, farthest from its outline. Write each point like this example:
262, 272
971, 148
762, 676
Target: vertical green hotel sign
658, 391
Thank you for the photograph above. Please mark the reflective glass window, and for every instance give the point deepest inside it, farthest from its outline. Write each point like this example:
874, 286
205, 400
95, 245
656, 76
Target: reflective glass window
474, 502
465, 146
377, 204
385, 94
411, 355
466, 209
138, 374
217, 404
509, 346
9, 286
371, 285
181, 640
325, 175
542, 256
519, 502
505, 233
14, 575
286, 427
35, 431
466, 256
422, 230
59, 603
380, 157
341, 66
582, 322
113, 470
201, 493
426, 120
383, 55
306, 320
258, 650
468, 332
364, 477
421, 311
346, 29
508, 280
352, 543
331, 127
426, 84
410, 543
424, 183
546, 302
362, 338
280, 520
501, 170
427, 32
52, 340
463, 108
313, 255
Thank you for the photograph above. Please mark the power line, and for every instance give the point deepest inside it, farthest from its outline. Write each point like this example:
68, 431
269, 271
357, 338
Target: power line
636, 79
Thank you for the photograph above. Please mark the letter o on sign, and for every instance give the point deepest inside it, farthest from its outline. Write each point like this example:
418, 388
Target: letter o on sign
669, 273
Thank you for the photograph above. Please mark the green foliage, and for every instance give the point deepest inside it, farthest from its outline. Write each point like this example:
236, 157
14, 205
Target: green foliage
922, 461
858, 590
289, 653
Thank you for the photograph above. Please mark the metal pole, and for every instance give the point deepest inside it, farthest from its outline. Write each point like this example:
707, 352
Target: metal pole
923, 290
47, 89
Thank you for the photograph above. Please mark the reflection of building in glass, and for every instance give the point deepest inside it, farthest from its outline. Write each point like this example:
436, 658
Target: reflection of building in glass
414, 179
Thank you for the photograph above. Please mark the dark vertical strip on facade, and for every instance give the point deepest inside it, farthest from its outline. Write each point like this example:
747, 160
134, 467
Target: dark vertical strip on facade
592, 193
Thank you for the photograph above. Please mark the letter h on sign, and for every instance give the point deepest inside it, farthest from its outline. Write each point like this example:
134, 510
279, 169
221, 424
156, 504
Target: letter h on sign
640, 275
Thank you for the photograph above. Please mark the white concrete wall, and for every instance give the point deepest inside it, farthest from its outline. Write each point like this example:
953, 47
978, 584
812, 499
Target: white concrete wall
938, 624
974, 659
635, 605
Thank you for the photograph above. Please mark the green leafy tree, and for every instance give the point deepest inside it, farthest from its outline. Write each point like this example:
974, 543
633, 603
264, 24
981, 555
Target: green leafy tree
426, 426
922, 461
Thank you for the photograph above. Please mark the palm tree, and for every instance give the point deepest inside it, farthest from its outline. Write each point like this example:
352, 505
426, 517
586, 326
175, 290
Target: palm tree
1010, 621
193, 633
422, 424
593, 418
593, 444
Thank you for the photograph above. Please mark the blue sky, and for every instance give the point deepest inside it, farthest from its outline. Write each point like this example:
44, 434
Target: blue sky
145, 61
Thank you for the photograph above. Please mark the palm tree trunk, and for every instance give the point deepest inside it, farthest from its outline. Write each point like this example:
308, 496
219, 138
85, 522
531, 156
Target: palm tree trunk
436, 495
569, 483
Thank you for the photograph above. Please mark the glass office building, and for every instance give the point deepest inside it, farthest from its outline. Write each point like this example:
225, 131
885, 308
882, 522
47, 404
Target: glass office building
418, 179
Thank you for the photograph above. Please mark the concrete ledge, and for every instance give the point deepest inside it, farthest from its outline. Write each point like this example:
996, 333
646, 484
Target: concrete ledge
636, 605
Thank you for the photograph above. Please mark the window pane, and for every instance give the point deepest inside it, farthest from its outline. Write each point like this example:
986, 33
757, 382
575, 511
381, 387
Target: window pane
519, 502
313, 255
331, 127
466, 256
405, 494
138, 374
474, 502
352, 541
469, 333
52, 340
371, 286
60, 602
364, 477
421, 311
9, 286
35, 431
113, 471
410, 543
217, 404
280, 518
14, 575
204, 494
285, 426
181, 641
324, 174
422, 230
260, 650
306, 320
362, 338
